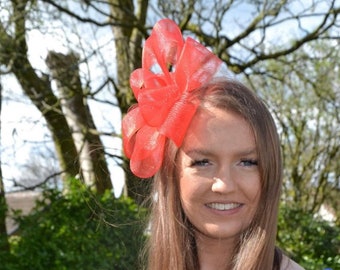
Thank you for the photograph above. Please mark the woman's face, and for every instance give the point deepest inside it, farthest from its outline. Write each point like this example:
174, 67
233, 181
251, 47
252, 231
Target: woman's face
219, 178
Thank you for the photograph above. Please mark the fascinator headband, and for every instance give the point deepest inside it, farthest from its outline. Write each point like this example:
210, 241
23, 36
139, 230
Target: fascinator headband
171, 68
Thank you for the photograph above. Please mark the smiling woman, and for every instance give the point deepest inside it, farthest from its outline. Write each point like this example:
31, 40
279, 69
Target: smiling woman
219, 181
215, 155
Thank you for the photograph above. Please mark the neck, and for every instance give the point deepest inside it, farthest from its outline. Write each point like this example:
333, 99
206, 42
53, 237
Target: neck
214, 254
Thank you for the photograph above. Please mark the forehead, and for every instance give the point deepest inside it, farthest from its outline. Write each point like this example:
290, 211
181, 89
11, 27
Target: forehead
215, 128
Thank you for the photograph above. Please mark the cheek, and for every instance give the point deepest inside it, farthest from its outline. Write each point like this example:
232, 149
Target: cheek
190, 190
253, 192
250, 184
186, 190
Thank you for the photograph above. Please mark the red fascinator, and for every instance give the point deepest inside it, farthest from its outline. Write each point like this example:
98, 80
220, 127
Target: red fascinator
171, 68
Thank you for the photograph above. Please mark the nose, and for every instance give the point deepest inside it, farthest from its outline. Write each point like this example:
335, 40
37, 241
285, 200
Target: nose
223, 183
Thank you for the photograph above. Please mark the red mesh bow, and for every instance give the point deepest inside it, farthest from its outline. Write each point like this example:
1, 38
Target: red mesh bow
171, 69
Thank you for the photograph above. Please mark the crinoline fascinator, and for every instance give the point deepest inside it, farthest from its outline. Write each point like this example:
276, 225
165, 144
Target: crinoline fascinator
171, 68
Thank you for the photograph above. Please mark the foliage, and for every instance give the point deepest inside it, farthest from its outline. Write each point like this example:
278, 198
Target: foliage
302, 92
79, 230
312, 242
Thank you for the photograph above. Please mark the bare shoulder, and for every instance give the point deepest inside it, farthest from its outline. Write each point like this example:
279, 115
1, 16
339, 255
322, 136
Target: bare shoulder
288, 264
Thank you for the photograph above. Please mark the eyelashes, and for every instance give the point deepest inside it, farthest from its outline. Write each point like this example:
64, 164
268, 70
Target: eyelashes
200, 163
249, 162
205, 162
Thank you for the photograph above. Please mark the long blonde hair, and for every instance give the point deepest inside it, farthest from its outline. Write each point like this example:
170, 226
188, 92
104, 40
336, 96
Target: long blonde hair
172, 244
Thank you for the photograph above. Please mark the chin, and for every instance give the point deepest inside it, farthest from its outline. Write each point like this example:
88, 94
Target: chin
222, 231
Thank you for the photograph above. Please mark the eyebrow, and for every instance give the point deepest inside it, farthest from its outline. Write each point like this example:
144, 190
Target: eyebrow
205, 152
249, 151
198, 151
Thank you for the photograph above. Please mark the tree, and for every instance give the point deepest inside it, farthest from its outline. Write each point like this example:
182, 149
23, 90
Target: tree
4, 245
14, 55
128, 41
302, 92
243, 46
78, 230
94, 169
309, 240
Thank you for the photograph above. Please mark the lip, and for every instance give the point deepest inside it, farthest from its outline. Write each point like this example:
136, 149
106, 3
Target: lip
224, 207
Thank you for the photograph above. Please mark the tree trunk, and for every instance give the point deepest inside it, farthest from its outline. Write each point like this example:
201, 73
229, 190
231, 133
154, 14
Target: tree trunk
4, 245
13, 54
93, 164
128, 43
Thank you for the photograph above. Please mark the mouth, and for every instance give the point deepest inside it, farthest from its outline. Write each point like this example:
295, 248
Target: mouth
223, 206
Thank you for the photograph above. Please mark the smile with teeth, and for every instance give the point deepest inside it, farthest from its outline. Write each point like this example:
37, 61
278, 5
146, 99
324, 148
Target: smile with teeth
223, 206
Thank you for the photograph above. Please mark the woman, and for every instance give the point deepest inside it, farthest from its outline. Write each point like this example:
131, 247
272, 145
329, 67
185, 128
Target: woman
213, 148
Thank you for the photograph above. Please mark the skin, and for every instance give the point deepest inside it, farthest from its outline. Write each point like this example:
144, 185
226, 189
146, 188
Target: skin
219, 182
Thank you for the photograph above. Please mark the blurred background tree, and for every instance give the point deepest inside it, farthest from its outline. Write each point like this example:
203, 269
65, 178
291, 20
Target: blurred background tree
77, 230
287, 51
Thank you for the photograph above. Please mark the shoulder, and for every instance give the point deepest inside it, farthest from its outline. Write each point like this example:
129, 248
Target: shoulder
288, 264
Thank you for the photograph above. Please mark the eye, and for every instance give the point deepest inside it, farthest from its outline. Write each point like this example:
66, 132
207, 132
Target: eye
248, 162
200, 163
